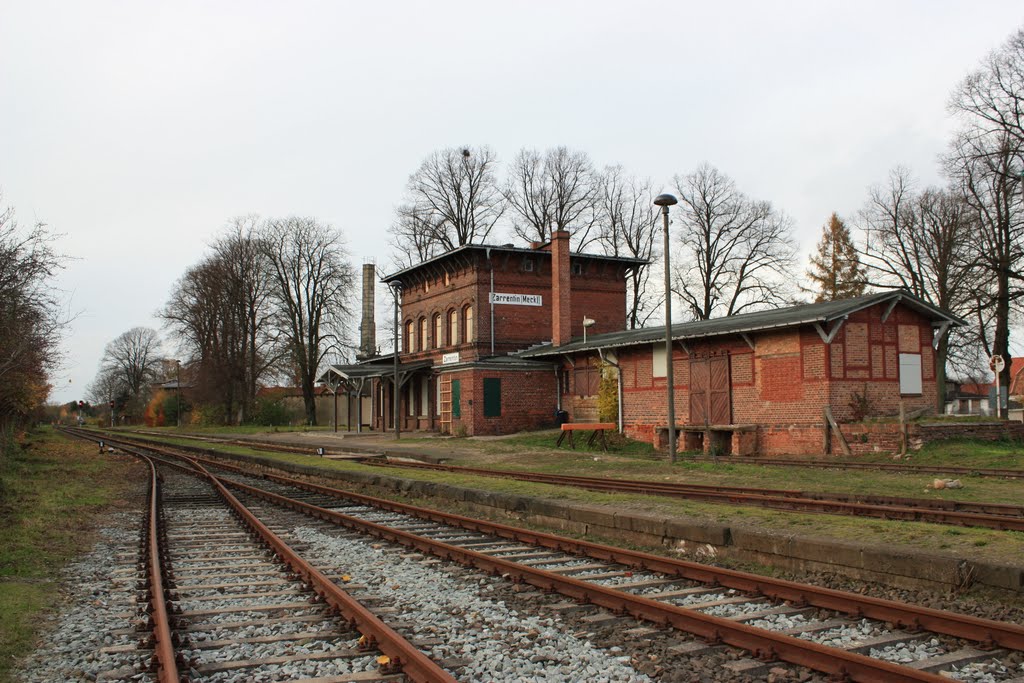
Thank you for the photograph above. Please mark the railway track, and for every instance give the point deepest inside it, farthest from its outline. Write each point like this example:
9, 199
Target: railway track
961, 513
229, 599
1003, 473
826, 630
950, 512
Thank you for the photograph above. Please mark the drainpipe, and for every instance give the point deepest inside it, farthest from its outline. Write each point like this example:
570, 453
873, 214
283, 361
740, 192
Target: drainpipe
618, 382
558, 387
490, 266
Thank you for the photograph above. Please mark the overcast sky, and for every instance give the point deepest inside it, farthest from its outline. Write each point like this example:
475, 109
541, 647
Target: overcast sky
137, 129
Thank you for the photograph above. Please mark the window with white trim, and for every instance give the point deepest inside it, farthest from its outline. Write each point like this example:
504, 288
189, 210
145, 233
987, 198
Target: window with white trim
659, 365
910, 374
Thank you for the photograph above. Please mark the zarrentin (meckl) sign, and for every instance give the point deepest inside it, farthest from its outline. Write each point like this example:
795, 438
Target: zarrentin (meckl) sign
517, 299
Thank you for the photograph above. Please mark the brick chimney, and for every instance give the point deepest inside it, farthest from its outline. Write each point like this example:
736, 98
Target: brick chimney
561, 289
368, 325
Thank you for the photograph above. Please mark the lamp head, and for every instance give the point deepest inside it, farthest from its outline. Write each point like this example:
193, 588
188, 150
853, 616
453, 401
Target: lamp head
588, 322
665, 200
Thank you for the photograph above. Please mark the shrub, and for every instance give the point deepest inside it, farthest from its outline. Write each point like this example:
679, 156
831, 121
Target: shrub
206, 415
169, 407
860, 404
270, 413
608, 395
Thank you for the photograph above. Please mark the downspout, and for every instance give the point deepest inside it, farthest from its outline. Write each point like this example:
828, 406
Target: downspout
490, 298
558, 387
618, 382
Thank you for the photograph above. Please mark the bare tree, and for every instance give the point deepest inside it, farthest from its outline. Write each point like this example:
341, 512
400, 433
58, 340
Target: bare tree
991, 99
313, 282
454, 199
131, 362
556, 190
195, 314
985, 166
254, 350
413, 236
924, 242
220, 311
987, 160
737, 254
31, 318
628, 224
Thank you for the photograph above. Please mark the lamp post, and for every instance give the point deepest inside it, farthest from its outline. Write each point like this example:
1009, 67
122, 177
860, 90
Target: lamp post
665, 201
395, 287
587, 324
177, 381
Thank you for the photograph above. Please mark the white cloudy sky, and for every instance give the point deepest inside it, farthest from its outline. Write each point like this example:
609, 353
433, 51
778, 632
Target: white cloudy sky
138, 128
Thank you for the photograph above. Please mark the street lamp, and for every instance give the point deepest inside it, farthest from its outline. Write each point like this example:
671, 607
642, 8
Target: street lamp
665, 201
177, 381
395, 288
587, 324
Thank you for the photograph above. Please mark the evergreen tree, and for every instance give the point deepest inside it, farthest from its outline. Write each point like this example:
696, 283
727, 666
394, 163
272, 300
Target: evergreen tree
836, 270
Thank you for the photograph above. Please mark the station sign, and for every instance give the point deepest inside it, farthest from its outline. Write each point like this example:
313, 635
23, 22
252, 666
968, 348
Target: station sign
517, 299
449, 358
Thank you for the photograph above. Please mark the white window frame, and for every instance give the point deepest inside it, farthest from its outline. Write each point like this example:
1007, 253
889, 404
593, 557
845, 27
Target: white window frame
911, 377
659, 361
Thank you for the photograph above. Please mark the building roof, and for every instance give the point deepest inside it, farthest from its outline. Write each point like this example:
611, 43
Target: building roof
505, 249
824, 314
374, 369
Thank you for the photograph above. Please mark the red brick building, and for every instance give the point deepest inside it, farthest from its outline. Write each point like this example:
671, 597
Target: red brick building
465, 313
760, 382
492, 341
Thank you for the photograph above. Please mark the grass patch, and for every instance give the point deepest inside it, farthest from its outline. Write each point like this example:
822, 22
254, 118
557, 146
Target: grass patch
222, 430
51, 495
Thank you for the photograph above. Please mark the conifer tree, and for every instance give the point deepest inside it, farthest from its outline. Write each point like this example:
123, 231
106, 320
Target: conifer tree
836, 270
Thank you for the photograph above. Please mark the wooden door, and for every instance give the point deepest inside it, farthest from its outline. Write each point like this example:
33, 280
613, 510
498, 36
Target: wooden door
710, 396
699, 391
719, 397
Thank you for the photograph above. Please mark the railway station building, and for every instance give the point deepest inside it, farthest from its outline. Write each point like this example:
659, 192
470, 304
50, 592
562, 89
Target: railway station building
465, 315
493, 342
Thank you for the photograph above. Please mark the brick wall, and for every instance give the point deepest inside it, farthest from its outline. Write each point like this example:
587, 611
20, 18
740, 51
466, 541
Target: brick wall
784, 383
527, 401
598, 291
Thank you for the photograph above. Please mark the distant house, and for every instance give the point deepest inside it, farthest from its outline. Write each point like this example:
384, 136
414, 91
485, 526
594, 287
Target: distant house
968, 398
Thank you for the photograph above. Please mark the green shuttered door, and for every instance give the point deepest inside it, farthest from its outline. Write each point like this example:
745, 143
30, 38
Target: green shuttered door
456, 398
492, 397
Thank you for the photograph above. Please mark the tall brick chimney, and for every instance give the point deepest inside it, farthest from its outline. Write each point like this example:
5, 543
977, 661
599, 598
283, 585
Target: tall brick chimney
561, 289
368, 326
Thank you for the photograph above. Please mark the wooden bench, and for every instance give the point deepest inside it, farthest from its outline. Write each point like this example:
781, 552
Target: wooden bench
597, 430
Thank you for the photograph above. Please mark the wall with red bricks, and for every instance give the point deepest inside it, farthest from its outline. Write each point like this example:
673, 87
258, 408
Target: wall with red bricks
785, 382
869, 349
527, 401
598, 291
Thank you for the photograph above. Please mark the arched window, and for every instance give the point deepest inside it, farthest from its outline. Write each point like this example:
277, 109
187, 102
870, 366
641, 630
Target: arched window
453, 327
467, 323
424, 342
438, 332
407, 337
